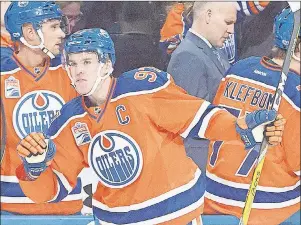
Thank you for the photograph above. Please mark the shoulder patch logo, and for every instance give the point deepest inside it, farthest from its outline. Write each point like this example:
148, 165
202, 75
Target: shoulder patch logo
81, 133
12, 88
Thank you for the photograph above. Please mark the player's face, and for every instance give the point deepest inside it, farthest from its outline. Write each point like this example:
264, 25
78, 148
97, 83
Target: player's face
73, 13
53, 35
222, 23
84, 68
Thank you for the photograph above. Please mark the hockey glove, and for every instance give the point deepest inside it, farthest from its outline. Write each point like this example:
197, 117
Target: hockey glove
256, 122
35, 164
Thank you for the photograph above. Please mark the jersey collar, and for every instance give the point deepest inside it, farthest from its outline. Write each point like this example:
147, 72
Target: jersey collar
96, 112
36, 72
270, 64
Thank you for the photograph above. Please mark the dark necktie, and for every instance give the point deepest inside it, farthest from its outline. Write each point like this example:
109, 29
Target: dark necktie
218, 56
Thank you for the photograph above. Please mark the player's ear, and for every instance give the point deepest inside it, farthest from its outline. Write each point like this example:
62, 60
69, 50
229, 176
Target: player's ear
108, 66
30, 34
208, 15
296, 55
298, 48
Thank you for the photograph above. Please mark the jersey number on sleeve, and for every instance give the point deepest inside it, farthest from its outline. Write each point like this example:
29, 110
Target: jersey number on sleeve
141, 75
248, 162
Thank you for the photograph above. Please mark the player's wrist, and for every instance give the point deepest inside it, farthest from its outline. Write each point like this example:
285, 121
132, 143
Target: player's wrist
22, 174
34, 170
255, 123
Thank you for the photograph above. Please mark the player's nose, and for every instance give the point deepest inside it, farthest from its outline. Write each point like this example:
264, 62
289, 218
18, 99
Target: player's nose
61, 34
230, 29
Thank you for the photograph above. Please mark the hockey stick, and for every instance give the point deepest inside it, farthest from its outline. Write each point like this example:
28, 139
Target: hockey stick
3, 132
276, 103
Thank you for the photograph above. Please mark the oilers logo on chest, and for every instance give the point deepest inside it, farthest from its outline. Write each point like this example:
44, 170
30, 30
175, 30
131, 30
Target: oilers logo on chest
116, 158
35, 111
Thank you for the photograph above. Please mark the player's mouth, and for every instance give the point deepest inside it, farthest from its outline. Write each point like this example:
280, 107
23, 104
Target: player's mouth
80, 80
224, 39
58, 44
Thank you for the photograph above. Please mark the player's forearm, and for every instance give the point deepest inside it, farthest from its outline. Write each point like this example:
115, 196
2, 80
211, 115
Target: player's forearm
222, 127
43, 189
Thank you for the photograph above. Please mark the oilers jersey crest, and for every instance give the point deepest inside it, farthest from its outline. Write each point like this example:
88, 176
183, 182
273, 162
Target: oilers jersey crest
116, 158
136, 150
35, 110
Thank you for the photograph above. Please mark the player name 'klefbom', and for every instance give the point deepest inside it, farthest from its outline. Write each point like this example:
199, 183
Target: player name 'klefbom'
243, 93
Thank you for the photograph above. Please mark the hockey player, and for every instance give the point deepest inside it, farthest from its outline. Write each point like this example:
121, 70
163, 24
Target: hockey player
33, 90
250, 85
128, 130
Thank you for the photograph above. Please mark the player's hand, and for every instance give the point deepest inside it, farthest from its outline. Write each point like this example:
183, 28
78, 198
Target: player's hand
274, 131
37, 153
252, 127
32, 144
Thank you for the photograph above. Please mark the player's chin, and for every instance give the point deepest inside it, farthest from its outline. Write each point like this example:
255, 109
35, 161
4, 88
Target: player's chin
81, 89
56, 50
220, 43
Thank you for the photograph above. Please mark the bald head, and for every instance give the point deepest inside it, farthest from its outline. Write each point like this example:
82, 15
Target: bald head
201, 7
214, 20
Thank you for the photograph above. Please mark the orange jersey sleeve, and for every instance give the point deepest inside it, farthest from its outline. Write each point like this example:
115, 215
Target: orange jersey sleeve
174, 22
174, 110
60, 177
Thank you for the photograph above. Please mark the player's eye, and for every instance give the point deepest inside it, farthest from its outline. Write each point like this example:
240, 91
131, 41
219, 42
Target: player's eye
55, 26
87, 62
229, 22
73, 64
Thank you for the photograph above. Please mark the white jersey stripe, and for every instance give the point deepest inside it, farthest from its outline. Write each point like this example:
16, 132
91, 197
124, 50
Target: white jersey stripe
196, 119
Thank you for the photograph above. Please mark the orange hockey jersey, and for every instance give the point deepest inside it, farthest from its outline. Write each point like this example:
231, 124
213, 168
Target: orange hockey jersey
249, 85
31, 97
133, 143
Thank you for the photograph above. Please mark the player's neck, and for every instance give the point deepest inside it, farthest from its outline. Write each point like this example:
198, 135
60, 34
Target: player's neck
101, 93
295, 65
30, 57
